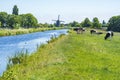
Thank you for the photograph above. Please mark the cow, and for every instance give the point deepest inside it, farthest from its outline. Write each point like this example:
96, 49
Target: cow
93, 31
99, 33
109, 34
79, 30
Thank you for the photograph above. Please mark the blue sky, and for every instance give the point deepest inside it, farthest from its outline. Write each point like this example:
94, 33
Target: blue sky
69, 10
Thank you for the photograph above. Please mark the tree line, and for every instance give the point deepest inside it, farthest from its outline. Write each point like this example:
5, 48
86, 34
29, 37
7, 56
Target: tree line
15, 21
113, 23
87, 23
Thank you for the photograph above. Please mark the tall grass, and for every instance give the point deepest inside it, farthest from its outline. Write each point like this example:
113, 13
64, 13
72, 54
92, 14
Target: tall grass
18, 58
72, 57
9, 32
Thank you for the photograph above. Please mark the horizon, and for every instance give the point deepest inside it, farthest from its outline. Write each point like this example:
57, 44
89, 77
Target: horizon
69, 11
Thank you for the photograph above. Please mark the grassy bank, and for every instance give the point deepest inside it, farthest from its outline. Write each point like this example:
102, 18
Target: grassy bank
9, 32
71, 57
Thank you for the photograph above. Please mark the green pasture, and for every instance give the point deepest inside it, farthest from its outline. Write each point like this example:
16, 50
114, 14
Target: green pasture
71, 57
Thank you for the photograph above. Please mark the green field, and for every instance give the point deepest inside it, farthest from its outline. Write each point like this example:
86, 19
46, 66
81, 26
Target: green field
71, 57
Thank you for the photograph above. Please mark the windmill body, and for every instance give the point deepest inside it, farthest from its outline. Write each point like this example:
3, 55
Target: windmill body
58, 22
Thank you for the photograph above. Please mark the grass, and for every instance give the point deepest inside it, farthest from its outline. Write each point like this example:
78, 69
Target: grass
18, 58
71, 57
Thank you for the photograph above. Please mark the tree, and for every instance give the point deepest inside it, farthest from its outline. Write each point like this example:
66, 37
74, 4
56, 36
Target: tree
86, 23
104, 24
28, 21
45, 25
62, 25
15, 10
75, 24
3, 19
114, 24
13, 21
50, 25
23, 21
96, 23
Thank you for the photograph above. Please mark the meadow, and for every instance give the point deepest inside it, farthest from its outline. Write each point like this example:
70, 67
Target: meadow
71, 57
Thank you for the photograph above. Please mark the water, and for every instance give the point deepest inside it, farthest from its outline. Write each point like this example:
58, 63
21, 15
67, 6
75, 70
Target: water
10, 45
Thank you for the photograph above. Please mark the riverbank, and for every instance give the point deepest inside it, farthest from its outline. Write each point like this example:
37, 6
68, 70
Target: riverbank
10, 32
71, 57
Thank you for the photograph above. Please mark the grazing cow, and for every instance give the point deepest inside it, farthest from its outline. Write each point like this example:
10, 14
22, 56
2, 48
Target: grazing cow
109, 34
99, 33
79, 30
93, 31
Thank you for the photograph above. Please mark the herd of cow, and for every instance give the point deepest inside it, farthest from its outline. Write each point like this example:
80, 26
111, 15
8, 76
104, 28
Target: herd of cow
79, 30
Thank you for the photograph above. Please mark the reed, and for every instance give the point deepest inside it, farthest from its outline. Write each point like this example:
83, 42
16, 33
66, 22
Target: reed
18, 58
10, 32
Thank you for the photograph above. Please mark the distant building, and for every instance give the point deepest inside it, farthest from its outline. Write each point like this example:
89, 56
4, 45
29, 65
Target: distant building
58, 21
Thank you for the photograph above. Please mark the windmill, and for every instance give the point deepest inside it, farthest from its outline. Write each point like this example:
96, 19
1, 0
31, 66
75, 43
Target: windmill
57, 22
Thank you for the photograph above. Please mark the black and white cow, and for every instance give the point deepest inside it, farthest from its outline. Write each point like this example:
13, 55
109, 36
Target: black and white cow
93, 31
109, 34
79, 30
